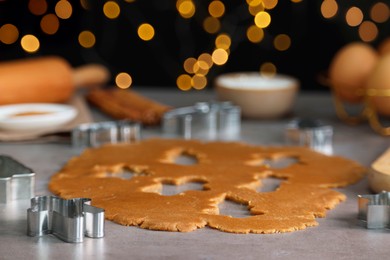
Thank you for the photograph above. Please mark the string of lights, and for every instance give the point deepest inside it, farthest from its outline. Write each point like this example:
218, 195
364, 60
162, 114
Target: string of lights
185, 42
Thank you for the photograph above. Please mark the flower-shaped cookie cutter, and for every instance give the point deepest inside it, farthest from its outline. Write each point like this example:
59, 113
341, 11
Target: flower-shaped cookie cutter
374, 209
96, 134
70, 220
205, 120
17, 181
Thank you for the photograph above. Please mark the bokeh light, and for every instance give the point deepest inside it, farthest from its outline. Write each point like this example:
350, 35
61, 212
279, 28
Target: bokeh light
255, 7
146, 32
30, 43
254, 2
268, 69
85, 4
329, 8
262, 19
255, 34
9, 33
87, 39
380, 12
368, 31
354, 16
183, 82
270, 4
123, 80
282, 42
220, 56
189, 65
206, 59
186, 8
211, 25
37, 7
216, 9
199, 81
223, 41
201, 68
111, 10
50, 24
63, 9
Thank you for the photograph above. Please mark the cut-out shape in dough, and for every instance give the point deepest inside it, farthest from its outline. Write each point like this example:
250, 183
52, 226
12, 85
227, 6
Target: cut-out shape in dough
185, 159
125, 174
269, 184
280, 163
171, 189
233, 209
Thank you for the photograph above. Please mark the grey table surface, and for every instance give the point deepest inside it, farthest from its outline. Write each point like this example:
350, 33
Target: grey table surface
338, 236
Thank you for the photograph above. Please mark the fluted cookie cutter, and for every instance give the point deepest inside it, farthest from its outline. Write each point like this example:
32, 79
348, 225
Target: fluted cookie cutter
311, 133
70, 220
204, 120
96, 134
374, 210
17, 181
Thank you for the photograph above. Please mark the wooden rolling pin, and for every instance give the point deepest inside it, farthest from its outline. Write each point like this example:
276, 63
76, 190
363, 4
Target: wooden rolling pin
46, 80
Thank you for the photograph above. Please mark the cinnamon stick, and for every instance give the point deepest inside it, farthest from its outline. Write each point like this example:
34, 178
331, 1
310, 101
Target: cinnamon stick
127, 104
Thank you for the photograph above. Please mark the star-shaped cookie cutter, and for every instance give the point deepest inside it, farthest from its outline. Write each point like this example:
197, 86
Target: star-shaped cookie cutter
70, 220
374, 209
16, 180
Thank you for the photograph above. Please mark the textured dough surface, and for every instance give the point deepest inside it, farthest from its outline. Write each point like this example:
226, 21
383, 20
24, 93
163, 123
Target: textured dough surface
228, 171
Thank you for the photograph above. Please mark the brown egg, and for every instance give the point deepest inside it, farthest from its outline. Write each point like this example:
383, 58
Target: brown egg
380, 80
384, 46
350, 68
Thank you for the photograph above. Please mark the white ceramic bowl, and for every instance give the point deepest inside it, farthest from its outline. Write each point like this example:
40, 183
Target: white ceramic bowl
258, 96
35, 116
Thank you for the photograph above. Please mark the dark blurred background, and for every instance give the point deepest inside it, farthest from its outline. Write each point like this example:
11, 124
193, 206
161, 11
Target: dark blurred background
300, 40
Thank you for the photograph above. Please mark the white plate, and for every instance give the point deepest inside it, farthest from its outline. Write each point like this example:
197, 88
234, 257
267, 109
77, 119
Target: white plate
35, 116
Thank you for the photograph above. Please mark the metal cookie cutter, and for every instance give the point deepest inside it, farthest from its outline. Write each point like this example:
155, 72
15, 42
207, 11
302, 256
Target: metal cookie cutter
204, 120
375, 210
16, 180
311, 133
96, 134
69, 220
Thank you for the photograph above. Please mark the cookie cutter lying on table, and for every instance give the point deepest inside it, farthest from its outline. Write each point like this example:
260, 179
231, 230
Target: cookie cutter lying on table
96, 134
311, 133
374, 209
70, 220
204, 120
17, 181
